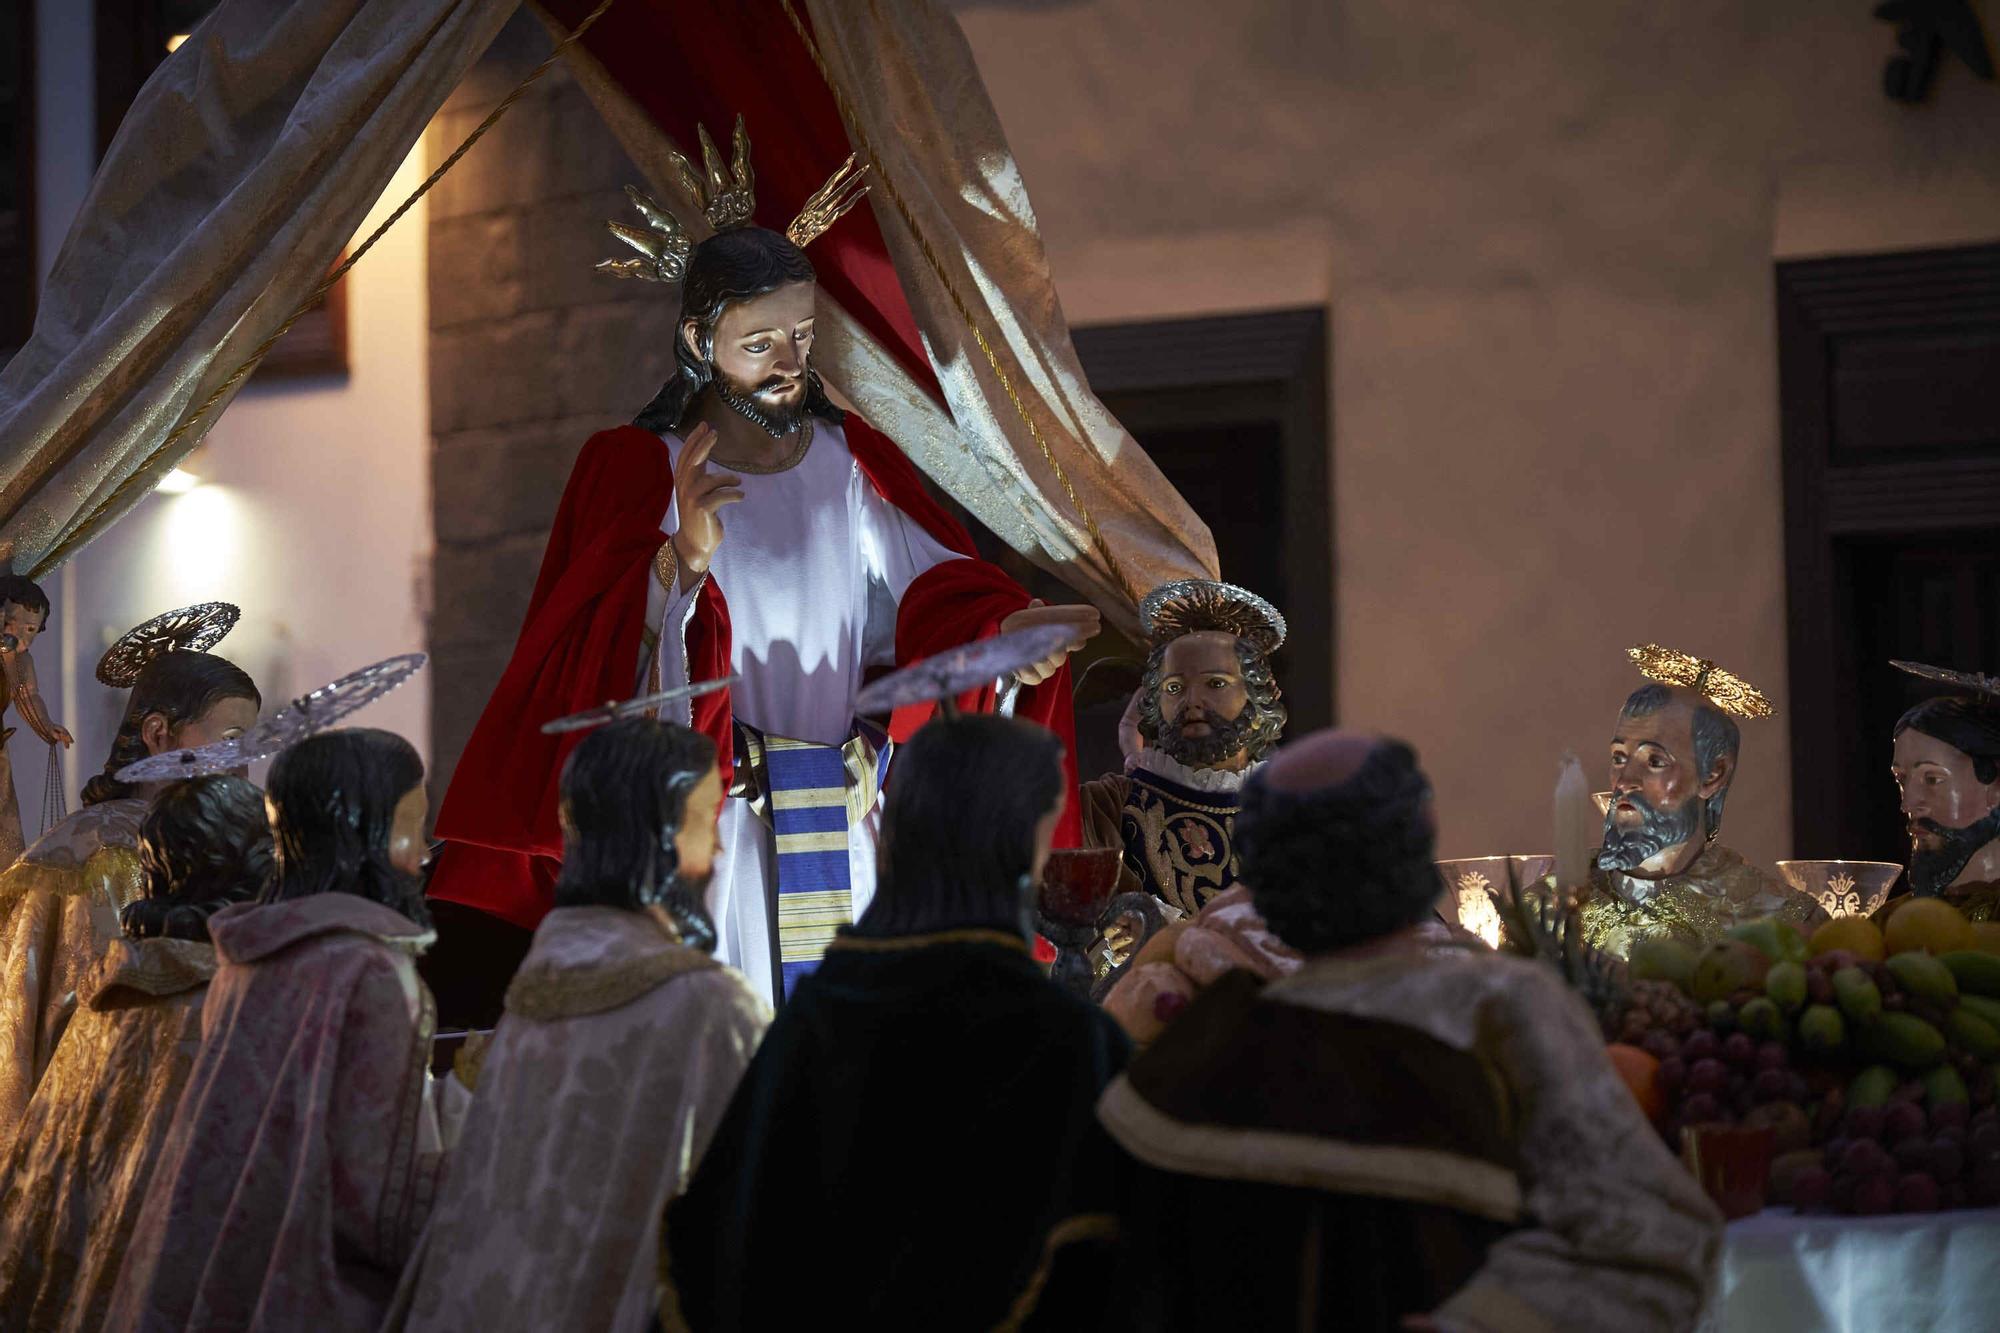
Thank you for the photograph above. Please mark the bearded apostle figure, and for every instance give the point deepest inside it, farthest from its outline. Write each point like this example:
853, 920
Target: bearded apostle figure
1209, 710
831, 559
1661, 871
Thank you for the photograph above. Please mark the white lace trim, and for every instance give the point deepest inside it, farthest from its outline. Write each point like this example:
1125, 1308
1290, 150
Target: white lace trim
1160, 764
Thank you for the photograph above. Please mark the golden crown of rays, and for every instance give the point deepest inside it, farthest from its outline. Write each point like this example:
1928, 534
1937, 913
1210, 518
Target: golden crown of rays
190, 629
1189, 606
725, 197
1727, 691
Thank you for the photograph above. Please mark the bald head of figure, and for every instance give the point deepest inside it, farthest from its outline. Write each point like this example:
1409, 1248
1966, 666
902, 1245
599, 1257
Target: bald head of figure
1337, 840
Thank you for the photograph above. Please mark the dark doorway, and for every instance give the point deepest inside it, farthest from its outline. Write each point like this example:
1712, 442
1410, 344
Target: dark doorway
1232, 408
1889, 372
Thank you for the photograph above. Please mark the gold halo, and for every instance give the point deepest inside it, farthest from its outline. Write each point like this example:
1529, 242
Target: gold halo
1190, 606
191, 629
1729, 692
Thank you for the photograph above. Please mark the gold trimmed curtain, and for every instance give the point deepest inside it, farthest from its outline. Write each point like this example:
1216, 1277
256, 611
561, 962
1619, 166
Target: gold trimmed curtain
247, 161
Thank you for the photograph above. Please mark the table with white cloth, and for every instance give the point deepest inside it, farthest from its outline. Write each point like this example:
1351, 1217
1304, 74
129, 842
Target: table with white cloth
1911, 1273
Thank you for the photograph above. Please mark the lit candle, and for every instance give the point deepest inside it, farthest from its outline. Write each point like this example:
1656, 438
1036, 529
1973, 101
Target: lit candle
1575, 831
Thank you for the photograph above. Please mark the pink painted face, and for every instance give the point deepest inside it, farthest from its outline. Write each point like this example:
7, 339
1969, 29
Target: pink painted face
22, 623
762, 348
406, 832
1939, 786
697, 840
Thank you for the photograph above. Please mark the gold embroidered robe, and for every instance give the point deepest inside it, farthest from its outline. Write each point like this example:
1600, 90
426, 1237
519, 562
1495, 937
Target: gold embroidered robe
59, 906
618, 1053
85, 1150
1178, 838
1719, 890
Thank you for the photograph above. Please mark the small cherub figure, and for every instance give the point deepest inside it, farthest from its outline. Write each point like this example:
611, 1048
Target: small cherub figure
24, 614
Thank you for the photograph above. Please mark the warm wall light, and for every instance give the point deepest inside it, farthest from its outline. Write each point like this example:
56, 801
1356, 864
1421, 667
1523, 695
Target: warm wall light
174, 42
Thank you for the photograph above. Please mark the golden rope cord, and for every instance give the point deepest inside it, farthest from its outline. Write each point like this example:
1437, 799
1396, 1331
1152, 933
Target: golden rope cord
83, 531
958, 302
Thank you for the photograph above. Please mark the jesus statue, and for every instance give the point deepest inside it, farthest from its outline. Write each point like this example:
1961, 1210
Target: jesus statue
743, 525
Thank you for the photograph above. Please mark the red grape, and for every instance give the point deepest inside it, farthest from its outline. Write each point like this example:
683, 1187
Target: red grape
1659, 1043
1947, 1160
1768, 1086
1875, 1194
1819, 986
1738, 1048
1707, 1076
1864, 1157
1701, 1109
1811, 1188
1865, 1122
1903, 1120
1771, 1055
1701, 1044
1916, 1193
1672, 1074
1950, 1115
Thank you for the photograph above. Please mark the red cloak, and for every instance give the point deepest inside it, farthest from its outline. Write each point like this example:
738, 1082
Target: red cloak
580, 646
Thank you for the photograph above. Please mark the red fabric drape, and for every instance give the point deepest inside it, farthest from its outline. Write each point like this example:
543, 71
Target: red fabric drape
689, 64
579, 647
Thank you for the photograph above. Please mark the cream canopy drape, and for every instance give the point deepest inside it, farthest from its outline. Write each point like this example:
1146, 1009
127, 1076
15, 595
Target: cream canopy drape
247, 161
253, 153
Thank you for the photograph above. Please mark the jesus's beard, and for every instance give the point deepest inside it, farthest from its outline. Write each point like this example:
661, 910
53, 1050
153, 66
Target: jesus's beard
1933, 870
1225, 737
1628, 849
778, 417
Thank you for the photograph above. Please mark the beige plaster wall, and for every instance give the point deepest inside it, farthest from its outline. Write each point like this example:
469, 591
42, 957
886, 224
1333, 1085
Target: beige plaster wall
1545, 233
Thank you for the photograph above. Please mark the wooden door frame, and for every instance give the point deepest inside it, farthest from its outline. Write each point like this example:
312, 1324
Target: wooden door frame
1830, 500
1268, 366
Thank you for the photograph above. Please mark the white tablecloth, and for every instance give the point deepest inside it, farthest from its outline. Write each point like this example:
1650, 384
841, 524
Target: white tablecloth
1916, 1273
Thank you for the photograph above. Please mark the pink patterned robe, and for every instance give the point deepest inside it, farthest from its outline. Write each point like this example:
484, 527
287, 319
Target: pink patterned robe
290, 1190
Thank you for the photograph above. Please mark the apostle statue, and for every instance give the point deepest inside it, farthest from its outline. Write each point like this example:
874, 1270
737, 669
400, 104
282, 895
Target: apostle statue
1947, 764
1209, 710
743, 525
1673, 759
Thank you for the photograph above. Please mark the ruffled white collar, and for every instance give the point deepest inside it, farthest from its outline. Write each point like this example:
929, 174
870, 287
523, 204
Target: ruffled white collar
1160, 764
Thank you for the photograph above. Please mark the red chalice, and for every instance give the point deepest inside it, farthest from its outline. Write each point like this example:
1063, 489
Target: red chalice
1076, 888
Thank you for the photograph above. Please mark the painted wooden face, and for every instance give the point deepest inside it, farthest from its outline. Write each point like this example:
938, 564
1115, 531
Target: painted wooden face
1658, 821
761, 350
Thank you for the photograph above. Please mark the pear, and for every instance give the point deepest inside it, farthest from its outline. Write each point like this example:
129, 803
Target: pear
1728, 966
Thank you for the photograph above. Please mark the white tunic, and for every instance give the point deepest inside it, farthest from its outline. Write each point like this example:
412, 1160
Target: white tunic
813, 564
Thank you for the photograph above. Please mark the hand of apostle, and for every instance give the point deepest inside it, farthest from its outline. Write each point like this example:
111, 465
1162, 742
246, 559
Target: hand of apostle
1083, 621
1131, 740
698, 494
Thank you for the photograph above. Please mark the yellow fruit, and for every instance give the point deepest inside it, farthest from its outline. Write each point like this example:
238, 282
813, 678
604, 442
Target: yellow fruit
1927, 923
1856, 934
1985, 937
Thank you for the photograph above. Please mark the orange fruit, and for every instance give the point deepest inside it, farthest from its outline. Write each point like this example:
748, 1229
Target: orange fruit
1641, 1073
1856, 934
1985, 936
1927, 923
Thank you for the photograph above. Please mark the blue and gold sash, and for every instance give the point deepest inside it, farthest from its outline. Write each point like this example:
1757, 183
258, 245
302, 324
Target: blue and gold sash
812, 795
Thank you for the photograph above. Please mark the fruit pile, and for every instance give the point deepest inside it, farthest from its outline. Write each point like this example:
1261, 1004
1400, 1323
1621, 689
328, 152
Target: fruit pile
1871, 1054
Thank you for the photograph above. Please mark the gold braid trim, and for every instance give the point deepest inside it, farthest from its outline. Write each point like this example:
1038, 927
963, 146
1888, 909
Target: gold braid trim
155, 967
544, 994
1111, 565
1083, 1226
893, 943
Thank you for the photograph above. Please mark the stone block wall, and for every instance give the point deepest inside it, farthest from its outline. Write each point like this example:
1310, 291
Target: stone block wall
530, 352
